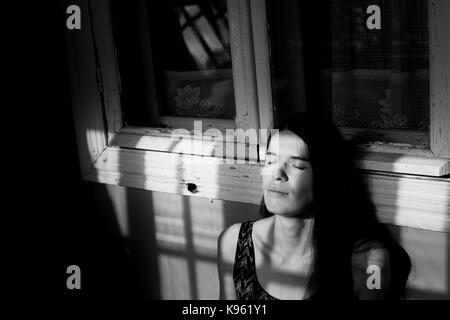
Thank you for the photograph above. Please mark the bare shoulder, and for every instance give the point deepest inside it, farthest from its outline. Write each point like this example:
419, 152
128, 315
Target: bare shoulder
371, 273
227, 242
226, 250
260, 230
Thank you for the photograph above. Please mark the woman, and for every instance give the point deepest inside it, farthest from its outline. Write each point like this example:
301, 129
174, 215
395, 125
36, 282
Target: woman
319, 238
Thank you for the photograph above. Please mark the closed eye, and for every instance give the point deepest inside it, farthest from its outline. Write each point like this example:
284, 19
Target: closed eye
298, 164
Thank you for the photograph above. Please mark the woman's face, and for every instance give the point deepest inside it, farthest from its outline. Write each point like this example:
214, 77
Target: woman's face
287, 175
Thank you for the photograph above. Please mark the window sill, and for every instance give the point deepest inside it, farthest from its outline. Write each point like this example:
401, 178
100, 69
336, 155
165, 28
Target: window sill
186, 142
403, 164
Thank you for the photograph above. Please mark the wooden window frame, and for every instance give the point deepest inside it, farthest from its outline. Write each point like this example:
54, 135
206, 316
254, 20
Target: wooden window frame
250, 102
141, 157
113, 154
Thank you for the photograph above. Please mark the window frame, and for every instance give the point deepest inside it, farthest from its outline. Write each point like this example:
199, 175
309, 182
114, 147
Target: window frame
95, 94
253, 106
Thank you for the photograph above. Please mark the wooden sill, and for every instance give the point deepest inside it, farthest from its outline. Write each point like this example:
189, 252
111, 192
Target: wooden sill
404, 164
186, 142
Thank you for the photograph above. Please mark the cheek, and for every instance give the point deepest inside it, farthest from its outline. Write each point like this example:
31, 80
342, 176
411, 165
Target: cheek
303, 186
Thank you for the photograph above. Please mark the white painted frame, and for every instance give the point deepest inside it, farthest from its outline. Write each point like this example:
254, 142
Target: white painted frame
403, 199
247, 91
439, 12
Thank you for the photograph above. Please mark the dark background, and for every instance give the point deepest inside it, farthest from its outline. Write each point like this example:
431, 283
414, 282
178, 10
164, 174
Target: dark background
55, 219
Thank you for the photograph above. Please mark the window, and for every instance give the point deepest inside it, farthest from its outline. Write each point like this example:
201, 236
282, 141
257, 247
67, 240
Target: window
375, 84
184, 71
126, 92
374, 79
380, 77
202, 67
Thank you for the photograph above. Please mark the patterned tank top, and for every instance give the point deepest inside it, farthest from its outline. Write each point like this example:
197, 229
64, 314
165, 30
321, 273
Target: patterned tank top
244, 273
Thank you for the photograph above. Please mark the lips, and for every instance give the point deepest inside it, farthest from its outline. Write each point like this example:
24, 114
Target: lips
278, 192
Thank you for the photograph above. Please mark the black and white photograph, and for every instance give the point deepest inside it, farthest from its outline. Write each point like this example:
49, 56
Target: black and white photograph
206, 150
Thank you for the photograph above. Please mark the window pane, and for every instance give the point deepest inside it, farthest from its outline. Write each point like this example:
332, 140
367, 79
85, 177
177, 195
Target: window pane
370, 79
174, 60
380, 77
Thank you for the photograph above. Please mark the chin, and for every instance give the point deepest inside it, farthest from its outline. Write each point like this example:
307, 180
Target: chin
285, 214
279, 210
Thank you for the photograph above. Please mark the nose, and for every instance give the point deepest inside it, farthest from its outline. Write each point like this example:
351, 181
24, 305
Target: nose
279, 174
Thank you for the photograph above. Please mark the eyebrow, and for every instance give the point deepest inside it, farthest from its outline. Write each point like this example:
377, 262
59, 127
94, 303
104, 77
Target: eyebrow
294, 157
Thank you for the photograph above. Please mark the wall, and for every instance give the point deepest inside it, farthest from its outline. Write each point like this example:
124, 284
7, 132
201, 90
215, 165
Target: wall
173, 241
173, 238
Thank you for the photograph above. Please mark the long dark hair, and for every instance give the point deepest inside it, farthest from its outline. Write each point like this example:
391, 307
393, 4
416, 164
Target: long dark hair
345, 220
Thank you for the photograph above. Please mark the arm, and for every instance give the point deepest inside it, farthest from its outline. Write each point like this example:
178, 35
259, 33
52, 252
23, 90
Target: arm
226, 250
371, 274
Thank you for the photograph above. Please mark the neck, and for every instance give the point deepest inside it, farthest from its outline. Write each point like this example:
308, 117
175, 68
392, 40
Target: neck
293, 235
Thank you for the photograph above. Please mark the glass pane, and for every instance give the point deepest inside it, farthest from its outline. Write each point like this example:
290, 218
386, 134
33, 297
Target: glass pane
369, 79
286, 56
174, 60
380, 77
